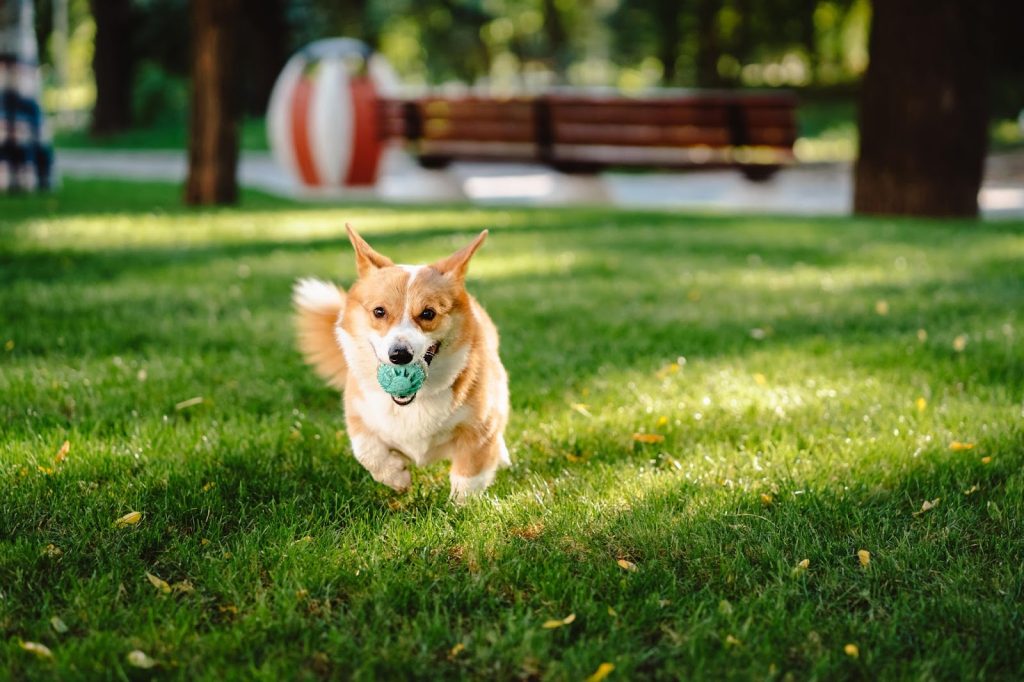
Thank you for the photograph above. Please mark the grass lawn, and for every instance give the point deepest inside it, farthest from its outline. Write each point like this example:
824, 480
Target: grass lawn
808, 384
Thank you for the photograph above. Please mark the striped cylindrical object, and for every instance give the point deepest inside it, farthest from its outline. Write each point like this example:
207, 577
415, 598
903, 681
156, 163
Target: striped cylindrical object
322, 119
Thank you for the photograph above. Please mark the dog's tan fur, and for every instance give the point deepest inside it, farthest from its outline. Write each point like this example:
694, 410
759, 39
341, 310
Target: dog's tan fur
460, 413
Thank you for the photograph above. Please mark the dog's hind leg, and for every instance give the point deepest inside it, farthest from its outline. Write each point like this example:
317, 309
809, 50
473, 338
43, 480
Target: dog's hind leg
475, 462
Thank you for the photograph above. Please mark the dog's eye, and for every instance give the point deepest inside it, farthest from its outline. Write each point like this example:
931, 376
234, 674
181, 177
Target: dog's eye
378, 312
428, 314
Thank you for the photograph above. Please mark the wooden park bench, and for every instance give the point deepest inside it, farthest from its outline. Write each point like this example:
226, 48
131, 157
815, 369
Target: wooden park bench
753, 132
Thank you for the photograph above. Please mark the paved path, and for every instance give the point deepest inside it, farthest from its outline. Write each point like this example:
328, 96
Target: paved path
824, 189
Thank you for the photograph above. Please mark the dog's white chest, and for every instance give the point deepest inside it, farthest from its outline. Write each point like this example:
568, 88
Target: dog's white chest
415, 429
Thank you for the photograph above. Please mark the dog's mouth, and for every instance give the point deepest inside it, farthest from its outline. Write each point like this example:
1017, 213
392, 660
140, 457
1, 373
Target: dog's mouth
428, 357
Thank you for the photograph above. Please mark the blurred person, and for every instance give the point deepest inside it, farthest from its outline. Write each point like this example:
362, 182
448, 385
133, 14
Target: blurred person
26, 158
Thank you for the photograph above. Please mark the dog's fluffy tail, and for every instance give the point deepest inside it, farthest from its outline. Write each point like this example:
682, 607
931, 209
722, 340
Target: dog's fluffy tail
318, 307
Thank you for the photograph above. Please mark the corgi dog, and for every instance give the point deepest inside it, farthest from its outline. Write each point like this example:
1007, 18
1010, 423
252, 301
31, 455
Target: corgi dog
402, 314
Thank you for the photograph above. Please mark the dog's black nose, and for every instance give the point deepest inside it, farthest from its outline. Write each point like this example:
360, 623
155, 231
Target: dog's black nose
399, 355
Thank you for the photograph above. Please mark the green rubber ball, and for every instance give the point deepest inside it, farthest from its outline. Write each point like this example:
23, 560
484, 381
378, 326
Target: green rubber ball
400, 380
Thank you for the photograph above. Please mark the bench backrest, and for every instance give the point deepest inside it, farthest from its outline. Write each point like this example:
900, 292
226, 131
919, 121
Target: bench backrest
584, 132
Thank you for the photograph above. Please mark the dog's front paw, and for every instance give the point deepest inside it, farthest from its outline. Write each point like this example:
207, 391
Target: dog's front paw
399, 480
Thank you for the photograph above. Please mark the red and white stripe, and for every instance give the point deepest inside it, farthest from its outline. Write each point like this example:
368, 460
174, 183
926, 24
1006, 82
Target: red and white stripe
322, 123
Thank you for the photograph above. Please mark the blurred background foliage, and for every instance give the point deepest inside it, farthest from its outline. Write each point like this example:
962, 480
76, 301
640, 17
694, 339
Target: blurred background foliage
818, 47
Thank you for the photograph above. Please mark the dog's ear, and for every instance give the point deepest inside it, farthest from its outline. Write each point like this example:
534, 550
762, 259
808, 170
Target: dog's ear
455, 265
367, 260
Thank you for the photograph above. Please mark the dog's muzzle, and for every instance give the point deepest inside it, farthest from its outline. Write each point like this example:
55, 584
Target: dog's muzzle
428, 357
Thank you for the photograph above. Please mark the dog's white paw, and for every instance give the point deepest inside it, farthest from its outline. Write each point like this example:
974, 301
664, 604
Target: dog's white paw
400, 479
464, 487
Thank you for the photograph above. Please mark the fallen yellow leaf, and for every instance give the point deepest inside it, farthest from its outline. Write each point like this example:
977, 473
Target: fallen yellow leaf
456, 650
129, 519
552, 624
851, 650
158, 583
922, 404
612, 612
139, 659
627, 565
864, 556
648, 437
62, 454
957, 446
986, 459
40, 650
603, 671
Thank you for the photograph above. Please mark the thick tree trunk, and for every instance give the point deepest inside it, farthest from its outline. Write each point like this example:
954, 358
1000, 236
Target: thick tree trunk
924, 109
113, 65
213, 136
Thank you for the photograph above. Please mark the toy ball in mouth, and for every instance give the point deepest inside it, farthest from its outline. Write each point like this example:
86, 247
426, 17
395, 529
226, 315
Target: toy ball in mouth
401, 381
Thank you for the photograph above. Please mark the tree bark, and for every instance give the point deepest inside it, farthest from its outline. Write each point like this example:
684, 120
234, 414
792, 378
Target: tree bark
924, 109
213, 138
557, 39
669, 38
708, 49
113, 65
264, 47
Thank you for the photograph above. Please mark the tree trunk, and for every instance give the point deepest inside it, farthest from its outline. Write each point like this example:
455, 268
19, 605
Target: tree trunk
924, 109
557, 39
113, 65
264, 47
809, 38
669, 37
708, 50
213, 136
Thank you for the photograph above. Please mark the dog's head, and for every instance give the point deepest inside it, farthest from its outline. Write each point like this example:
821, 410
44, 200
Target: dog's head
406, 313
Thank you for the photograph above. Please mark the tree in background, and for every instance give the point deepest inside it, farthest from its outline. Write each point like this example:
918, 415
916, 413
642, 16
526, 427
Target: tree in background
924, 109
113, 65
216, 103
